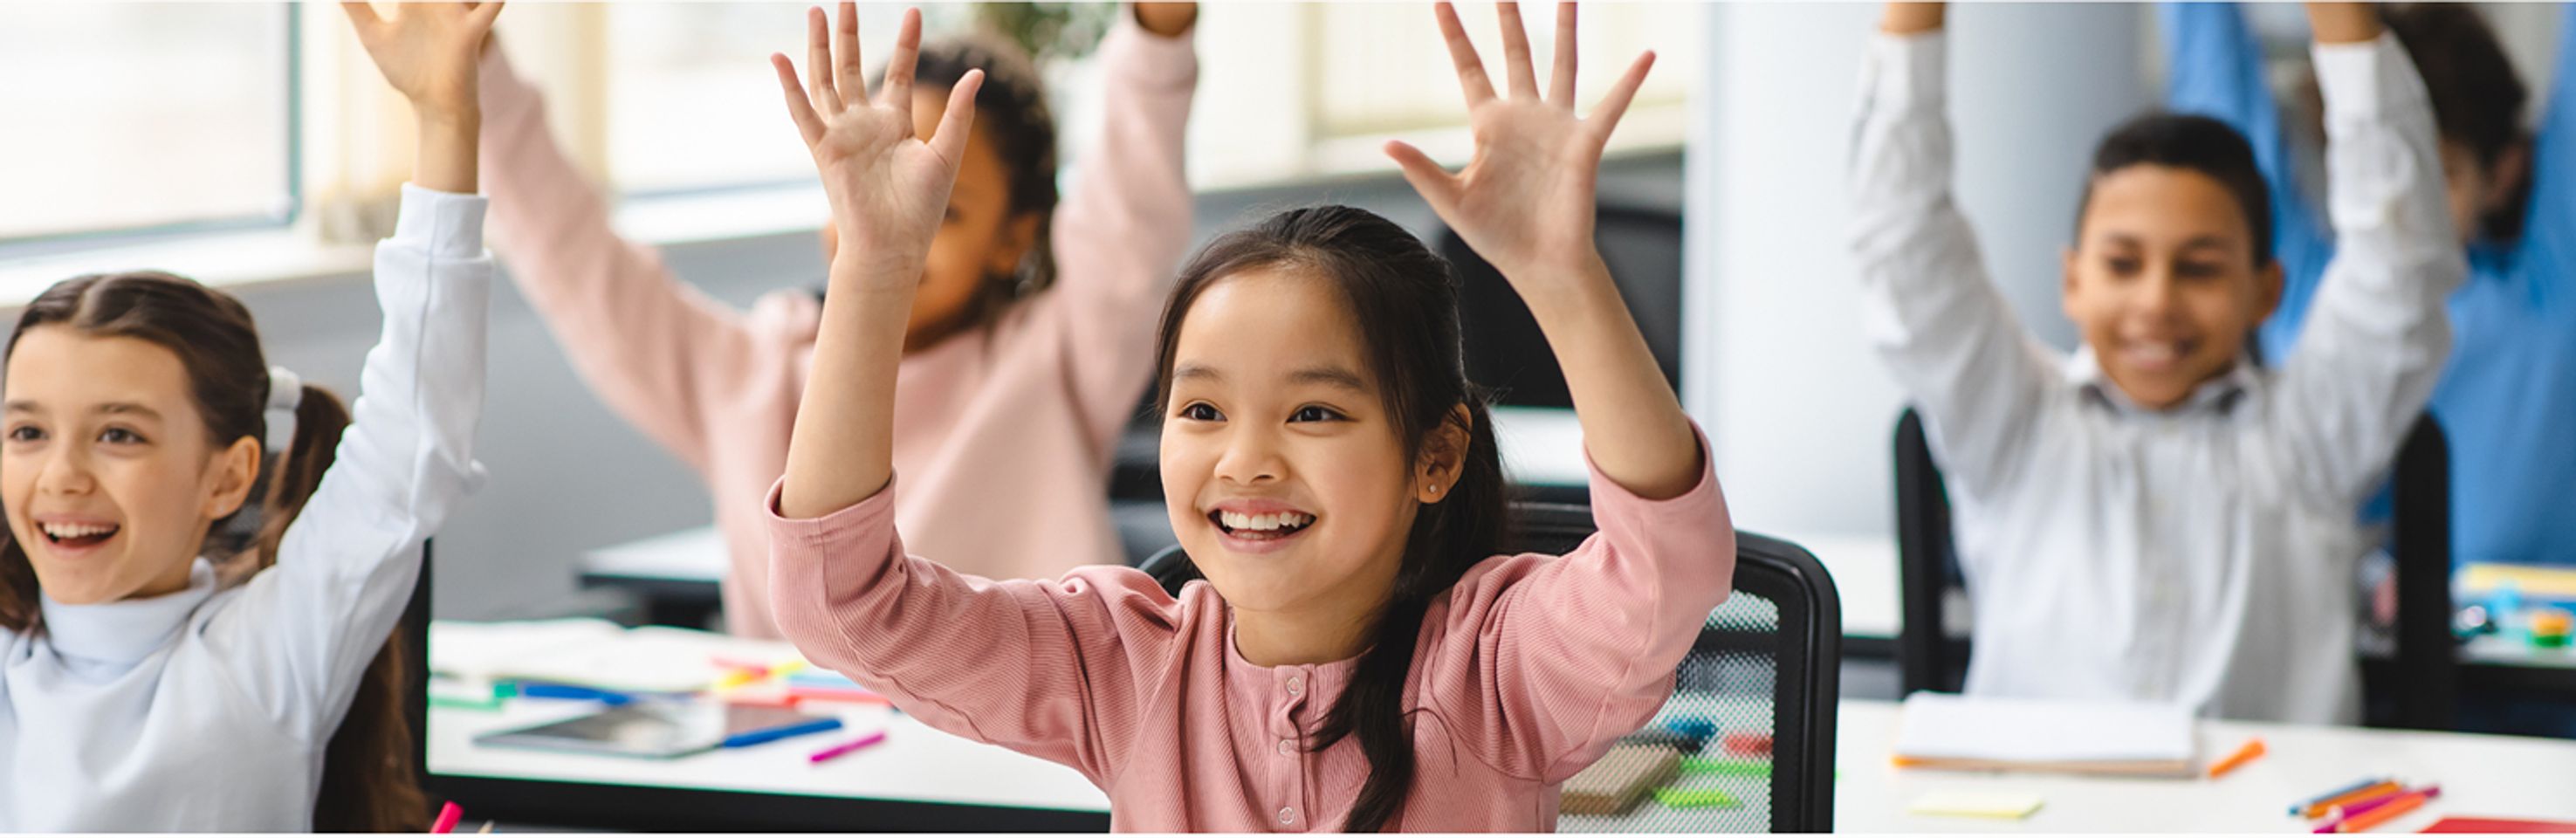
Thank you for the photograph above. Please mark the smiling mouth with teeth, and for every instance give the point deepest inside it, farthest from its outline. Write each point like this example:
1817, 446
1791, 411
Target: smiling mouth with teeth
1260, 527
78, 535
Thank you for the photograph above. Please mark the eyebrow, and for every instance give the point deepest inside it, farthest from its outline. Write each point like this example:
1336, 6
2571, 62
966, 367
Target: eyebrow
1327, 375
110, 409
127, 409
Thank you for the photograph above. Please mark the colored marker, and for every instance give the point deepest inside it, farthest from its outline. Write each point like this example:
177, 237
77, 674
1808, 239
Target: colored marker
2252, 748
2302, 806
2367, 806
2379, 789
447, 817
836, 751
757, 737
2379, 812
567, 691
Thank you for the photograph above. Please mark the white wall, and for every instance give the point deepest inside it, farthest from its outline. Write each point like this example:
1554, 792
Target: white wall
1798, 408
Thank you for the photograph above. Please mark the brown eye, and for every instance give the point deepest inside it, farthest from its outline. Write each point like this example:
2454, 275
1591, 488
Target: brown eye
1201, 412
1316, 413
26, 433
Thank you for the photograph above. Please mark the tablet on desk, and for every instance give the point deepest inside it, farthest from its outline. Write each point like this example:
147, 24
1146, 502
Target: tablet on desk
660, 731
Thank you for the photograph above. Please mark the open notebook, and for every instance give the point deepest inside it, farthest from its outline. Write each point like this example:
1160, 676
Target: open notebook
1939, 730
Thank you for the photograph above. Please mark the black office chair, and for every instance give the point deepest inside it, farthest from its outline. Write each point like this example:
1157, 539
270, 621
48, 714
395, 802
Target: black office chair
414, 631
1504, 349
2410, 671
1767, 663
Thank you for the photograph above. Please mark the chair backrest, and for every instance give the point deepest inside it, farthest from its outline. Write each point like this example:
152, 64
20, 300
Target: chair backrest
1761, 685
414, 631
2409, 681
1503, 346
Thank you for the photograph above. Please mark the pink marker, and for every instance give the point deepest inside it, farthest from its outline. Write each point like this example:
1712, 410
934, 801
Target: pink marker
447, 817
828, 754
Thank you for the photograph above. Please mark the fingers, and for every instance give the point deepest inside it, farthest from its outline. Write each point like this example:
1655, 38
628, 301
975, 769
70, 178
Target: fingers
362, 16
818, 60
1471, 70
898, 72
846, 71
958, 121
1560, 83
480, 17
799, 108
1516, 51
1605, 116
1436, 186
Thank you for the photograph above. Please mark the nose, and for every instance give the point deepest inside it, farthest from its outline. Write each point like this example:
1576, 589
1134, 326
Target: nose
65, 471
2159, 294
1251, 456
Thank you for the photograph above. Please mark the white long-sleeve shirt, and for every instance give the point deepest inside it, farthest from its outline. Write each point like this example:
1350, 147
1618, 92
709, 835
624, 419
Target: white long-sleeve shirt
208, 710
2203, 554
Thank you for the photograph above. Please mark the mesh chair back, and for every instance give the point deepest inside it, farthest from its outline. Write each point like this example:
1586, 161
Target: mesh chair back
1760, 688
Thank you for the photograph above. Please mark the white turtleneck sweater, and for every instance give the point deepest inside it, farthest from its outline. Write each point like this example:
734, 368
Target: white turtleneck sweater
208, 710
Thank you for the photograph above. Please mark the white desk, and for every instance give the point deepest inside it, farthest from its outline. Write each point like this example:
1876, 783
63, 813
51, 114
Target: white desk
2495, 776
915, 764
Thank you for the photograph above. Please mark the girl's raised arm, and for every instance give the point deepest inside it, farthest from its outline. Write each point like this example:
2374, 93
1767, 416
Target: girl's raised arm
887, 189
1525, 203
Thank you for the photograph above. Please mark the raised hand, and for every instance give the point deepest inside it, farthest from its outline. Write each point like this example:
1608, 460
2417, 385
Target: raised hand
1169, 20
1525, 200
2344, 23
1912, 18
887, 187
429, 52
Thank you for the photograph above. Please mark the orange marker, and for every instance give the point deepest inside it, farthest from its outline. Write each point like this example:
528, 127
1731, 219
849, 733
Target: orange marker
2386, 812
2382, 788
2253, 748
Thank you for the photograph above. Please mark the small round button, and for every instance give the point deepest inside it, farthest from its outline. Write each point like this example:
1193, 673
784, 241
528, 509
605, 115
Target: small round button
1296, 685
1287, 815
1286, 747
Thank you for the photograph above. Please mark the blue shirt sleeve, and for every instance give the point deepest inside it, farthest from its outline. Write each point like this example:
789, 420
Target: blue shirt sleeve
2216, 69
2548, 228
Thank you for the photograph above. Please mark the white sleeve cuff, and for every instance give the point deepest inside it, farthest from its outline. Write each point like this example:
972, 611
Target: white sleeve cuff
2367, 81
1907, 70
441, 224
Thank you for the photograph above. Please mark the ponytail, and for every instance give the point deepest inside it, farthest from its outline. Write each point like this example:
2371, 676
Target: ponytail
1462, 529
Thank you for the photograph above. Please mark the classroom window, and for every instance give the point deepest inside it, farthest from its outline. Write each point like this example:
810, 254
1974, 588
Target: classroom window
692, 102
145, 117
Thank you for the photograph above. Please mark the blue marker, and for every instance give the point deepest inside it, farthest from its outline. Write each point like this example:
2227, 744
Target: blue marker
566, 691
750, 738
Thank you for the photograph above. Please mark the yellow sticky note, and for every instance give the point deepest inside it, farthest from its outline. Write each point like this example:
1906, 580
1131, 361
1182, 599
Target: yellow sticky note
2001, 805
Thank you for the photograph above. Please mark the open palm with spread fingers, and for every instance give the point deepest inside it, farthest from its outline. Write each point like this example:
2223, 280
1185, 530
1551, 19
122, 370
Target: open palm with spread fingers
427, 50
1525, 200
887, 187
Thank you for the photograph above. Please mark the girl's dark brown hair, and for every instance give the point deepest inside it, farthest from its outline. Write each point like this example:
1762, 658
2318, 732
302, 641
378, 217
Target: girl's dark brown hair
2477, 96
1405, 300
368, 784
1011, 108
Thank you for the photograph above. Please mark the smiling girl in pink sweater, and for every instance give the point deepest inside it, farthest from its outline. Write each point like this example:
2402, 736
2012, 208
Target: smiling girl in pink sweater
1362, 656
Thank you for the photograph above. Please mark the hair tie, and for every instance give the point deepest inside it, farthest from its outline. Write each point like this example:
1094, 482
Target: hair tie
285, 395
